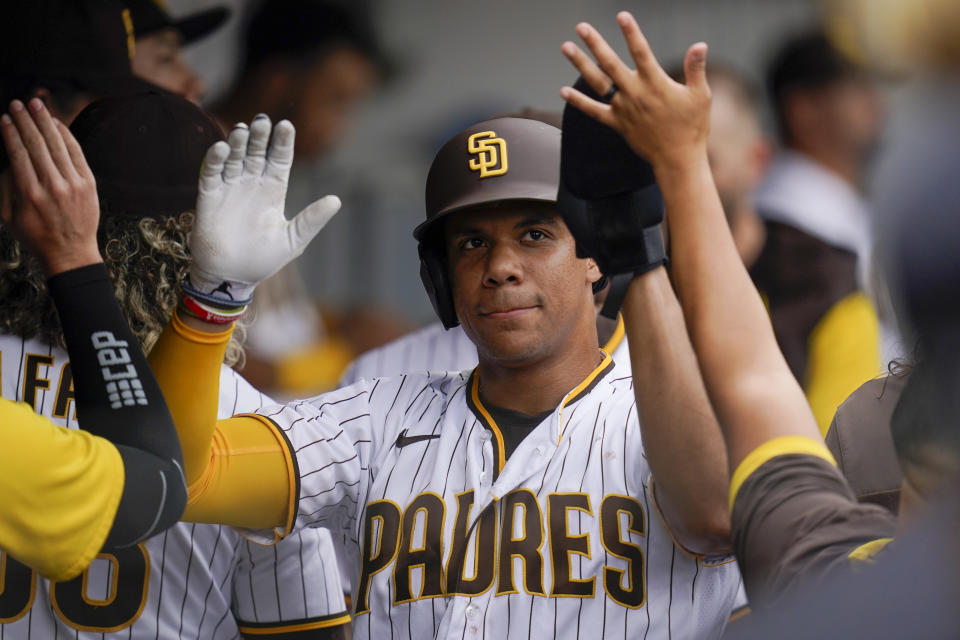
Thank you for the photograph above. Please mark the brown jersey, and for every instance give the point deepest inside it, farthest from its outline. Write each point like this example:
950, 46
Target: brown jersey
860, 440
795, 520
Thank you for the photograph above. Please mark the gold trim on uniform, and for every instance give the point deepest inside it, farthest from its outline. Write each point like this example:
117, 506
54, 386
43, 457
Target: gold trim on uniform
511, 502
616, 337
114, 579
866, 553
293, 628
560, 552
61, 404
131, 37
782, 446
32, 382
403, 566
633, 573
488, 420
130, 619
4, 557
584, 388
367, 570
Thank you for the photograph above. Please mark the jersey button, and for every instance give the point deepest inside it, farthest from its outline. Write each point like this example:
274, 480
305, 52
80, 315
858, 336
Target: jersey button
472, 611
484, 477
485, 435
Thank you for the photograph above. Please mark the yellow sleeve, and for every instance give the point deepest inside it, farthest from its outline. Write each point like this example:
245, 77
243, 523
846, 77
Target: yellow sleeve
60, 488
844, 352
251, 481
239, 471
186, 364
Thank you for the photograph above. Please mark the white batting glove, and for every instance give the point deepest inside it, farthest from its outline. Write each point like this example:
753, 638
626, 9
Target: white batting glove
241, 236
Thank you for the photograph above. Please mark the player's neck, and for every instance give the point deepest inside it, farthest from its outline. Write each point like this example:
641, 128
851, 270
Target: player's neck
537, 387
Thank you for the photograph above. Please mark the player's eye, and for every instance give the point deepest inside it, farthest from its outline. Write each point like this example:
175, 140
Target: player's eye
534, 234
471, 243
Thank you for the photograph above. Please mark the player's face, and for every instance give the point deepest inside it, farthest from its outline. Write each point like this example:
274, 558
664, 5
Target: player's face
330, 92
736, 150
519, 289
158, 58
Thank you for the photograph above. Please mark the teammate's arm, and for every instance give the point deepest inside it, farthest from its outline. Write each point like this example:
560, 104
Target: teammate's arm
752, 390
240, 471
683, 445
681, 438
54, 211
790, 508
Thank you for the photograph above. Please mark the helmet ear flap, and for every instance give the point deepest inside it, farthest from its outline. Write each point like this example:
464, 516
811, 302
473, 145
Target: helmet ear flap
433, 273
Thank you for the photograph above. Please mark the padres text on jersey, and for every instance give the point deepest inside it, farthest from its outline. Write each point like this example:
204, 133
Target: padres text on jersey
450, 539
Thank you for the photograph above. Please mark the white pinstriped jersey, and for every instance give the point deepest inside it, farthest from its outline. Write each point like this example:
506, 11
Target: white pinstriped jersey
192, 581
434, 348
561, 540
431, 348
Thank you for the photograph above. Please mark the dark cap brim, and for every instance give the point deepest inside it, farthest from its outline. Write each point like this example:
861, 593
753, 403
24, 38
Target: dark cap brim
114, 86
197, 25
422, 230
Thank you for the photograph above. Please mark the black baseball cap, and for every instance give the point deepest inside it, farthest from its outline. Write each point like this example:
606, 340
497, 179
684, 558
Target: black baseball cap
150, 16
303, 28
808, 61
145, 152
86, 42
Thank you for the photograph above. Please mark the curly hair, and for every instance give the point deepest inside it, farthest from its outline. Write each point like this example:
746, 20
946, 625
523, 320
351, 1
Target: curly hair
146, 259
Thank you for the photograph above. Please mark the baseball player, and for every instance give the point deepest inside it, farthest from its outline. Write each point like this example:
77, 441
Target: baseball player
67, 494
791, 509
515, 500
194, 581
437, 348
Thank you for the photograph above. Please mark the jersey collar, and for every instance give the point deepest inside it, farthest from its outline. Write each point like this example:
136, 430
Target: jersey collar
581, 390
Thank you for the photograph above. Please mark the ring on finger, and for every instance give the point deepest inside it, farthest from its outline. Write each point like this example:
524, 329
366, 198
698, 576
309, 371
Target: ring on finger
608, 96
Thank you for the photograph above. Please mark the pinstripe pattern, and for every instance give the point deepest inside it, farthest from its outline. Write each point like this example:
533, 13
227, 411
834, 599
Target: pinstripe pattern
203, 578
600, 450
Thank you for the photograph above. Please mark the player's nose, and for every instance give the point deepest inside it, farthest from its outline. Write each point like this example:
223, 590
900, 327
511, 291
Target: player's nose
503, 266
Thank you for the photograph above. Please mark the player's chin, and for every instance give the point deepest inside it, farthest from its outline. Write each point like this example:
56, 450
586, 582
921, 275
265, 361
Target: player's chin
510, 345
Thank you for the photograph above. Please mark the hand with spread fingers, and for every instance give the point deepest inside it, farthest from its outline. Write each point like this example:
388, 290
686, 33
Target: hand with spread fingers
664, 121
52, 206
241, 236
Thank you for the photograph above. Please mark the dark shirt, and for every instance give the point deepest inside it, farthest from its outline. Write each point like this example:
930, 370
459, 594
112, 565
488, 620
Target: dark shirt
514, 425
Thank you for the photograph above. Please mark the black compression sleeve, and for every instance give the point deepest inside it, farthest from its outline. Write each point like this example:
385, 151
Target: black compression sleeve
118, 398
154, 495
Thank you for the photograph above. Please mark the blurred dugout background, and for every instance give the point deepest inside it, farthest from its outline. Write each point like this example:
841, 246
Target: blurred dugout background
456, 62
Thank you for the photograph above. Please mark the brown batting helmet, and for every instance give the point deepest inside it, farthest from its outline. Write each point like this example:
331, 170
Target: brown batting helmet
493, 161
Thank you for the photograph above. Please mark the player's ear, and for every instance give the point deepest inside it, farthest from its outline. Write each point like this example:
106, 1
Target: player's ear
592, 270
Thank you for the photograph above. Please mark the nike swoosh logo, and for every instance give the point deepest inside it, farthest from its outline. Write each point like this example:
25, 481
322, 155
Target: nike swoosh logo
403, 439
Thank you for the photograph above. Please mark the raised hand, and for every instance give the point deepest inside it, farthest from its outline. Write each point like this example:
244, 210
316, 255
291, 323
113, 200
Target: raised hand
50, 203
241, 235
662, 120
